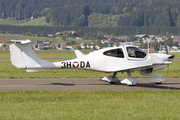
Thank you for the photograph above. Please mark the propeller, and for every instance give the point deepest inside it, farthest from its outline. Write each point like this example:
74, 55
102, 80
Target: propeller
167, 52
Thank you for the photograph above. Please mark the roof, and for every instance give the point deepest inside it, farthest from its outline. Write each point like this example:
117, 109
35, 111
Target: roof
141, 35
1, 41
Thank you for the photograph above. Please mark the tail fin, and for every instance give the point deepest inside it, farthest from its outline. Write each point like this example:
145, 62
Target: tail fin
78, 53
23, 56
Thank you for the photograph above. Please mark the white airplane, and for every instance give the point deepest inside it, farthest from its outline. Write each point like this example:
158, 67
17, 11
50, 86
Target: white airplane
109, 60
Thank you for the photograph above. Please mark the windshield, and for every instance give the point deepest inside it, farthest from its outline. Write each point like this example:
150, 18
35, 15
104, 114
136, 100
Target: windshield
135, 52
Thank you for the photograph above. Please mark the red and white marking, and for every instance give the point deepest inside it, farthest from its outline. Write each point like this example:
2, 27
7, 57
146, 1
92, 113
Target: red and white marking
75, 64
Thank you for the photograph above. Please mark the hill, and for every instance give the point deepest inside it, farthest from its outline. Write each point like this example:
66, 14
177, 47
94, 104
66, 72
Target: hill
164, 13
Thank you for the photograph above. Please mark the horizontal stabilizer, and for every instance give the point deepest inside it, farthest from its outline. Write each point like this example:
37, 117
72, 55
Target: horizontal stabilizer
37, 70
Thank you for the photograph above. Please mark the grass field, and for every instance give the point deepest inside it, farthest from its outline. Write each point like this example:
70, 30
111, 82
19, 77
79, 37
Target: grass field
95, 105
7, 22
36, 22
47, 53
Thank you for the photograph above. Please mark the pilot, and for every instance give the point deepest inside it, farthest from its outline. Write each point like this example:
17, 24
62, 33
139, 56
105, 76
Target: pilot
132, 54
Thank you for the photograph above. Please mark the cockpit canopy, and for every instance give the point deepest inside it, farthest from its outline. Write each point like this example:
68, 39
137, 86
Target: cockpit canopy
135, 52
115, 53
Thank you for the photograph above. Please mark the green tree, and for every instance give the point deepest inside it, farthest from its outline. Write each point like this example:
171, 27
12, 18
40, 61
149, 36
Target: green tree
64, 33
78, 47
38, 35
64, 37
99, 37
47, 19
80, 33
155, 45
44, 34
45, 12
113, 11
81, 21
54, 36
124, 10
104, 9
143, 45
128, 39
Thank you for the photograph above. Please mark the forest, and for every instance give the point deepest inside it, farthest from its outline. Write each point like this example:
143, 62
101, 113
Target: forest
117, 17
83, 12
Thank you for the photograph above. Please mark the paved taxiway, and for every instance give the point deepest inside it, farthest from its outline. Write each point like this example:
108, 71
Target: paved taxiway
83, 84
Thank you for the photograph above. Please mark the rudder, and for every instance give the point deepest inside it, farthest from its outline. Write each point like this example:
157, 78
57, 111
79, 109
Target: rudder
23, 56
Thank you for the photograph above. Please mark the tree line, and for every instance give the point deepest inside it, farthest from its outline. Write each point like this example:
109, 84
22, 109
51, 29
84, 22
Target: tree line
121, 30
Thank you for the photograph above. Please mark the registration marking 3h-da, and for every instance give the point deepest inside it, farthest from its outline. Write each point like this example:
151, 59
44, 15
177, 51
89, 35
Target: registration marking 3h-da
75, 64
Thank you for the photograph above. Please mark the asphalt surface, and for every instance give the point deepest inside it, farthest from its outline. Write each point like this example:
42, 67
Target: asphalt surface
84, 84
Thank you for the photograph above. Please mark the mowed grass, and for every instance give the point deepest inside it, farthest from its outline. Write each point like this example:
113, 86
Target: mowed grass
7, 21
36, 22
177, 54
60, 53
47, 53
7, 70
90, 105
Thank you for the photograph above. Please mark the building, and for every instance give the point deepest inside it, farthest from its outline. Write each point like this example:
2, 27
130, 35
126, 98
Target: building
176, 38
142, 36
1, 43
105, 41
55, 46
63, 45
49, 35
34, 46
110, 37
130, 43
122, 37
58, 33
46, 42
41, 46
73, 33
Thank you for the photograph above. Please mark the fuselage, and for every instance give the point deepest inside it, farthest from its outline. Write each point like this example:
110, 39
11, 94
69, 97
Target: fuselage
112, 59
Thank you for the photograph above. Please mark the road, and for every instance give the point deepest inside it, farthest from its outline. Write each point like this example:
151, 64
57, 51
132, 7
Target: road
83, 84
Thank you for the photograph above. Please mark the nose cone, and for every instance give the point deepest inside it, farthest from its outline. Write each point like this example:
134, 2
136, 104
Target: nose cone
165, 57
171, 57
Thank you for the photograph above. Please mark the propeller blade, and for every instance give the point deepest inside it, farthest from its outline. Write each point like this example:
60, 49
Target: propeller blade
167, 52
167, 70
